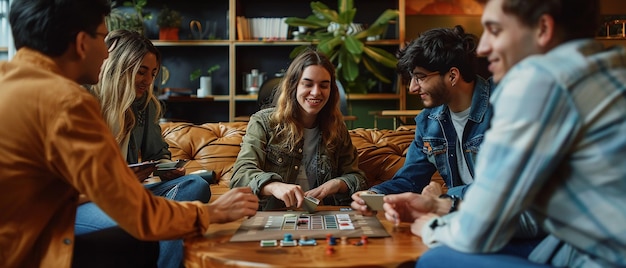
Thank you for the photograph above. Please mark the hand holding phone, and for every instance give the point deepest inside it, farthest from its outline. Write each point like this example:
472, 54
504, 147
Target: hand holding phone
143, 170
169, 170
172, 165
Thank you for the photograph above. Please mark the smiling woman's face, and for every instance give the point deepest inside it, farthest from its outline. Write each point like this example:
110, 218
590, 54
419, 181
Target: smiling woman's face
313, 90
146, 74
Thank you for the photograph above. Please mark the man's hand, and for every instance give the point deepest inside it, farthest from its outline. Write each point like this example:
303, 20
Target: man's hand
233, 205
358, 204
291, 194
418, 224
407, 207
328, 188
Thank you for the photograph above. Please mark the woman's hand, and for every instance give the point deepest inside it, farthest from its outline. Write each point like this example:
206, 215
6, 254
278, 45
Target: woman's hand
291, 194
328, 188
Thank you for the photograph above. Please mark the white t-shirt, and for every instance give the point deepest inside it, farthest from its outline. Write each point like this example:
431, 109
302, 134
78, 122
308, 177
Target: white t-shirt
458, 121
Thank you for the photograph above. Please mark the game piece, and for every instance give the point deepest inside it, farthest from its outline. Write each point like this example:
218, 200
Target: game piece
364, 239
288, 241
344, 240
345, 209
269, 243
330, 250
288, 237
307, 242
332, 241
291, 243
358, 243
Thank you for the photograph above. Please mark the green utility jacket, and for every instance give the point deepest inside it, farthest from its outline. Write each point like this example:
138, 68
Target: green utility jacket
262, 160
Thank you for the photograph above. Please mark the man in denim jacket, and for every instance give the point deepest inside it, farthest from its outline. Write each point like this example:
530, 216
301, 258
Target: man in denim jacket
444, 75
457, 105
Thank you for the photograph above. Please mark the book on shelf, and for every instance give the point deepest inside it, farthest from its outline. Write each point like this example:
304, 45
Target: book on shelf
261, 28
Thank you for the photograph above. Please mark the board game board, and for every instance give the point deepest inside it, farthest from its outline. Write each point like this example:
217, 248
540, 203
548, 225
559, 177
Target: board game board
274, 224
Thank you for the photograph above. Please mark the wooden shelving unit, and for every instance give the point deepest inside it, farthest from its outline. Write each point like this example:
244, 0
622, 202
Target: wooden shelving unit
238, 56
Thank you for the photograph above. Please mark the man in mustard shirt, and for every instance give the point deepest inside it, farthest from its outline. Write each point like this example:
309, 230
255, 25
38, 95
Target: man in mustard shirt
55, 145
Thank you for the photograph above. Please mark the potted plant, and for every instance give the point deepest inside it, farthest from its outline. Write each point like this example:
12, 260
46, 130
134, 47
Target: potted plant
169, 22
119, 19
335, 34
205, 80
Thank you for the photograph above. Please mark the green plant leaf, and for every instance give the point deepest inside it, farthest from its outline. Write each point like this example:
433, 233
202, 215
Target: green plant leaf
308, 22
380, 24
375, 71
323, 12
380, 55
346, 17
346, 51
353, 45
195, 74
348, 67
344, 5
328, 45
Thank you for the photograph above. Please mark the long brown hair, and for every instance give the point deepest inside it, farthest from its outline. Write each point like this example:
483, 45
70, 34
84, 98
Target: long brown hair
116, 88
286, 118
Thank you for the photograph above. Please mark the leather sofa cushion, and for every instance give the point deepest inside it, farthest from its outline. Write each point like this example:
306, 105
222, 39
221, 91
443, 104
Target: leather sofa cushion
210, 146
381, 152
215, 146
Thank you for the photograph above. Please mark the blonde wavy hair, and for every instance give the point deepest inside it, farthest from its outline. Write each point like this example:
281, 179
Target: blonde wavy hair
286, 118
116, 88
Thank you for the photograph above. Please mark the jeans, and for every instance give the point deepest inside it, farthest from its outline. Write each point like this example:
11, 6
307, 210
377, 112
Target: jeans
113, 247
90, 218
513, 255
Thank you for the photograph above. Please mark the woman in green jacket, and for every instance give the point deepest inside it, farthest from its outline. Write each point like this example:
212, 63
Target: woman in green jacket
301, 147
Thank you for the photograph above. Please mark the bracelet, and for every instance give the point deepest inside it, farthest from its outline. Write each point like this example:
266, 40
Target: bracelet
455, 201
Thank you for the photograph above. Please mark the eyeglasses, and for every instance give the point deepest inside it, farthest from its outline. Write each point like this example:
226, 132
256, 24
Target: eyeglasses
421, 77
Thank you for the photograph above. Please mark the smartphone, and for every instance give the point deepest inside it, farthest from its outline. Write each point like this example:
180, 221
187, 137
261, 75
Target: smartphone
142, 165
143, 170
172, 165
373, 201
163, 168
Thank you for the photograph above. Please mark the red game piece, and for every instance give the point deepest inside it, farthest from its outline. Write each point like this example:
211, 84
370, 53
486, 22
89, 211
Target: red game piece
330, 250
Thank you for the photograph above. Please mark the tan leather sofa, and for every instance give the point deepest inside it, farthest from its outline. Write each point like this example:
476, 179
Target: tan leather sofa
214, 146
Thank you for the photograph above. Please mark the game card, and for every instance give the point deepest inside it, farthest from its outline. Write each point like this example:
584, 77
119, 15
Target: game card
374, 201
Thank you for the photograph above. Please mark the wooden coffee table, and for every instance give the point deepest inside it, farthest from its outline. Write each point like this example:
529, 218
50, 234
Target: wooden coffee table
214, 250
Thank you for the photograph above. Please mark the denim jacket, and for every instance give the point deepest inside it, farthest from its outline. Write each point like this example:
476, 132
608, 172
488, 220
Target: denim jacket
434, 146
262, 159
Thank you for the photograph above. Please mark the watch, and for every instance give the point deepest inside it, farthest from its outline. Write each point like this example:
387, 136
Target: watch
455, 201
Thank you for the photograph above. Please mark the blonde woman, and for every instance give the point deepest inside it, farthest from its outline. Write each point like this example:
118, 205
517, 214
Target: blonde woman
132, 112
302, 146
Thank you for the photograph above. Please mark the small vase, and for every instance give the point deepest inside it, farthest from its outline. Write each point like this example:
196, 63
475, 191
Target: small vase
205, 87
168, 33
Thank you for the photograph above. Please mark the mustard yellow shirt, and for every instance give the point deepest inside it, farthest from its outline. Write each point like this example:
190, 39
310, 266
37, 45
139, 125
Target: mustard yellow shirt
53, 146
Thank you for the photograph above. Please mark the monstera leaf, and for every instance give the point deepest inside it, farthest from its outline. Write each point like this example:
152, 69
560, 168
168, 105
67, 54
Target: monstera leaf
336, 35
